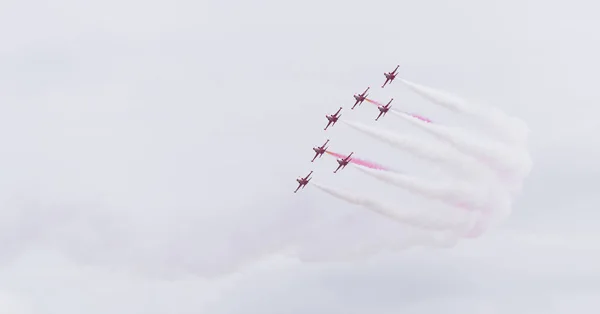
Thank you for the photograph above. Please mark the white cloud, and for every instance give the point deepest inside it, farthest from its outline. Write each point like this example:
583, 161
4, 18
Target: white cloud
12, 304
476, 277
56, 283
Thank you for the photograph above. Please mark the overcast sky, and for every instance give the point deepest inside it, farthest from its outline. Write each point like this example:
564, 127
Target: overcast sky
149, 151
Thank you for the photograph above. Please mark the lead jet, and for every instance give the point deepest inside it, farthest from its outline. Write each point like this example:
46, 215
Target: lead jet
333, 118
319, 150
343, 162
302, 182
390, 76
384, 109
360, 98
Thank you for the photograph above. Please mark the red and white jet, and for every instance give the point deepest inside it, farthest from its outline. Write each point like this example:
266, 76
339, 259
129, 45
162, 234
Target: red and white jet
343, 162
302, 182
384, 109
333, 118
360, 98
389, 77
319, 150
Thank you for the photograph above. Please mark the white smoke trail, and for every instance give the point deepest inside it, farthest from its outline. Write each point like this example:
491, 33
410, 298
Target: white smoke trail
416, 218
455, 162
511, 165
456, 193
488, 198
511, 129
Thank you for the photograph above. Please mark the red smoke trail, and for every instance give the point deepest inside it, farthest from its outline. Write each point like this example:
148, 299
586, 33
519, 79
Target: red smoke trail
416, 116
408, 113
358, 161
373, 101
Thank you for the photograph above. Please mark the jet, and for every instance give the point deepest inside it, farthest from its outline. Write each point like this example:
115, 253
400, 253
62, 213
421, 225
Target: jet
343, 162
302, 182
333, 118
319, 150
384, 109
360, 98
389, 77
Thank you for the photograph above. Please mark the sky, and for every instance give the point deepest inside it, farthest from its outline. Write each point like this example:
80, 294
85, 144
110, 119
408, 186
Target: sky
149, 150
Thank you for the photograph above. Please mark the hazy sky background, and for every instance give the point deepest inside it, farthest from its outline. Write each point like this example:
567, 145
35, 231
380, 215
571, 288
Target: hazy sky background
149, 146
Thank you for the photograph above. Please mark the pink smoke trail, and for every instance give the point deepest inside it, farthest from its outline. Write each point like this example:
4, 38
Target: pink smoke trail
408, 113
416, 116
359, 161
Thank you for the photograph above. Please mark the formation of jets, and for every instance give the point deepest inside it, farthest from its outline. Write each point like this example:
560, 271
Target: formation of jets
332, 119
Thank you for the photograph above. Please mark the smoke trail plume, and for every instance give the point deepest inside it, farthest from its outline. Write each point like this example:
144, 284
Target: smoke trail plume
374, 102
457, 193
434, 152
417, 218
358, 161
511, 165
511, 129
420, 117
